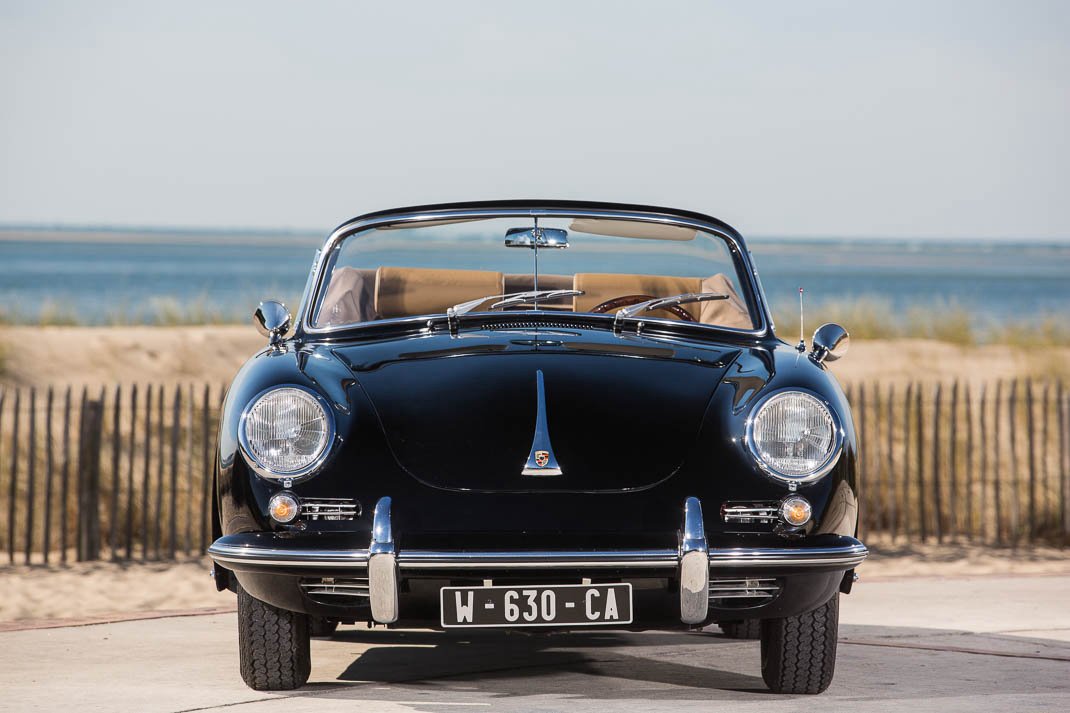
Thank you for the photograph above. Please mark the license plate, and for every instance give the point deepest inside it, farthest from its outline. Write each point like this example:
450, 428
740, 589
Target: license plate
558, 605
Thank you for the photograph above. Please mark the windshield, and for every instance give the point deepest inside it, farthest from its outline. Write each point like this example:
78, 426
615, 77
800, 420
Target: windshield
577, 265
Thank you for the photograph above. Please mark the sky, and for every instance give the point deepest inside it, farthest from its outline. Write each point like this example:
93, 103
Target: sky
904, 119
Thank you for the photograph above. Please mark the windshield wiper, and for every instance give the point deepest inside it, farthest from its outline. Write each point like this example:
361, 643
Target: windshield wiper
521, 297
658, 302
509, 299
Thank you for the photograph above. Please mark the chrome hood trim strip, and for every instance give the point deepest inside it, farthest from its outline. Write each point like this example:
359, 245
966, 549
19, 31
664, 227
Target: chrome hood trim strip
541, 459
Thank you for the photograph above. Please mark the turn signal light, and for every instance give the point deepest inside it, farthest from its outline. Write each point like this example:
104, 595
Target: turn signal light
795, 511
283, 507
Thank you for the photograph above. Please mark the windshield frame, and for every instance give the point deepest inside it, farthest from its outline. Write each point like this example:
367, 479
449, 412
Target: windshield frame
754, 297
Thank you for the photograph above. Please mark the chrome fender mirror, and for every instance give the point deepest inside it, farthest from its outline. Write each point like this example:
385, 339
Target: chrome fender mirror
830, 343
272, 320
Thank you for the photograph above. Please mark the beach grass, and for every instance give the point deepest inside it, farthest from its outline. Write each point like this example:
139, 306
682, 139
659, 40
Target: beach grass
875, 318
157, 311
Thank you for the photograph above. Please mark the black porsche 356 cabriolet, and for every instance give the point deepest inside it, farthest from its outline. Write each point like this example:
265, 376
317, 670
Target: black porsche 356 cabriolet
536, 414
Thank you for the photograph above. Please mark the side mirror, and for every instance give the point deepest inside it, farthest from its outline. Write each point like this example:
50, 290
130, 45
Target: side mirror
272, 320
830, 343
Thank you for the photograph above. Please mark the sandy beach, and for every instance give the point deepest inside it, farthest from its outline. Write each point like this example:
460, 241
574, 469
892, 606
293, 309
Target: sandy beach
105, 356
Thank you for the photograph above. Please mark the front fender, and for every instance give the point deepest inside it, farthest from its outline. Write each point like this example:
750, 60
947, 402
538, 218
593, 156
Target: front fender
242, 495
757, 373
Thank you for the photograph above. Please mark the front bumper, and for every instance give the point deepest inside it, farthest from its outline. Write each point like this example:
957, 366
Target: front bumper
694, 564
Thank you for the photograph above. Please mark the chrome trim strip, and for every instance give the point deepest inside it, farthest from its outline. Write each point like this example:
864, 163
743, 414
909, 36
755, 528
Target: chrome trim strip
848, 556
748, 273
315, 509
330, 592
749, 512
694, 565
742, 582
237, 554
749, 588
428, 559
345, 588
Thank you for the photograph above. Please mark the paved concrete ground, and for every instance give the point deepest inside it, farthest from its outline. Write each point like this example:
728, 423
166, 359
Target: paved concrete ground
969, 644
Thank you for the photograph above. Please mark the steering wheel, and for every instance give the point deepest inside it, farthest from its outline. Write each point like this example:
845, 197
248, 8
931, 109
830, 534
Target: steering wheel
629, 300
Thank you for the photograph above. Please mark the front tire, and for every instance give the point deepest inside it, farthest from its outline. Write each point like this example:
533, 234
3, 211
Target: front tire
799, 652
273, 645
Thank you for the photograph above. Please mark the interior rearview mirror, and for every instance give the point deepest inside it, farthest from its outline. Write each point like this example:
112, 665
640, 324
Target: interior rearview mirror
532, 237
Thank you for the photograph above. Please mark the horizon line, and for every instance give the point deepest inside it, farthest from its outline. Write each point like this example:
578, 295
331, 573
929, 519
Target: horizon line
104, 228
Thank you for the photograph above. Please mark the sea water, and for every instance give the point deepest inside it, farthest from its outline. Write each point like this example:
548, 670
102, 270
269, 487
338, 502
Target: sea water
151, 278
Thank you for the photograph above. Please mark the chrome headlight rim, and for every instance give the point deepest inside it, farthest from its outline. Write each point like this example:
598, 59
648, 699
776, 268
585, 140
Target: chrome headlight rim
299, 474
834, 453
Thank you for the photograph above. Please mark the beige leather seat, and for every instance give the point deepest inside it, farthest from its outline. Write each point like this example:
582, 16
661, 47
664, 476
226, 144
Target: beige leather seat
600, 287
731, 313
356, 295
409, 291
350, 298
525, 282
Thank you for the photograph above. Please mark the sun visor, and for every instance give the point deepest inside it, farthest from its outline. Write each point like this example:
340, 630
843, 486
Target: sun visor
632, 229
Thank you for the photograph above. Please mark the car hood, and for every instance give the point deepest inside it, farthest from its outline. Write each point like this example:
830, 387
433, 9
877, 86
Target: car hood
460, 413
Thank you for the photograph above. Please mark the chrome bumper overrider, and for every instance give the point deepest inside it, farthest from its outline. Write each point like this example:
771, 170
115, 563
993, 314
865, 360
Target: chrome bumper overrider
693, 559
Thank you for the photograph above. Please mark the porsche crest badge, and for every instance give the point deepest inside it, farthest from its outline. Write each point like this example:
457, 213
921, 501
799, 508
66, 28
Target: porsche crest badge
542, 458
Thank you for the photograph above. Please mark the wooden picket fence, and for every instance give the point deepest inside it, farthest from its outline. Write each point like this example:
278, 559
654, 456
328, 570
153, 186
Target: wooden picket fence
125, 473
982, 462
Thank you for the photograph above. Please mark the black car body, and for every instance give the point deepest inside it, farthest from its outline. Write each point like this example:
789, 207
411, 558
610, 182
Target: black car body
480, 455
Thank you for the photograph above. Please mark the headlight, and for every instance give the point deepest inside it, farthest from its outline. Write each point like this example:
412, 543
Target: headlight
794, 436
286, 432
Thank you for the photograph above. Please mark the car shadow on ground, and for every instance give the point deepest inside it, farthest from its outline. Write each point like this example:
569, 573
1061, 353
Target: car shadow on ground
505, 663
877, 662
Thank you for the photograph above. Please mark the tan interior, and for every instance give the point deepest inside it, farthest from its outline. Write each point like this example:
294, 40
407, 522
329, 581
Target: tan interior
350, 297
601, 286
406, 291
362, 295
725, 313
525, 282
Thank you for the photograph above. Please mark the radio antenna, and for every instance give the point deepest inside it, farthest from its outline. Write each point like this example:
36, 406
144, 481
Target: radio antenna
802, 328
